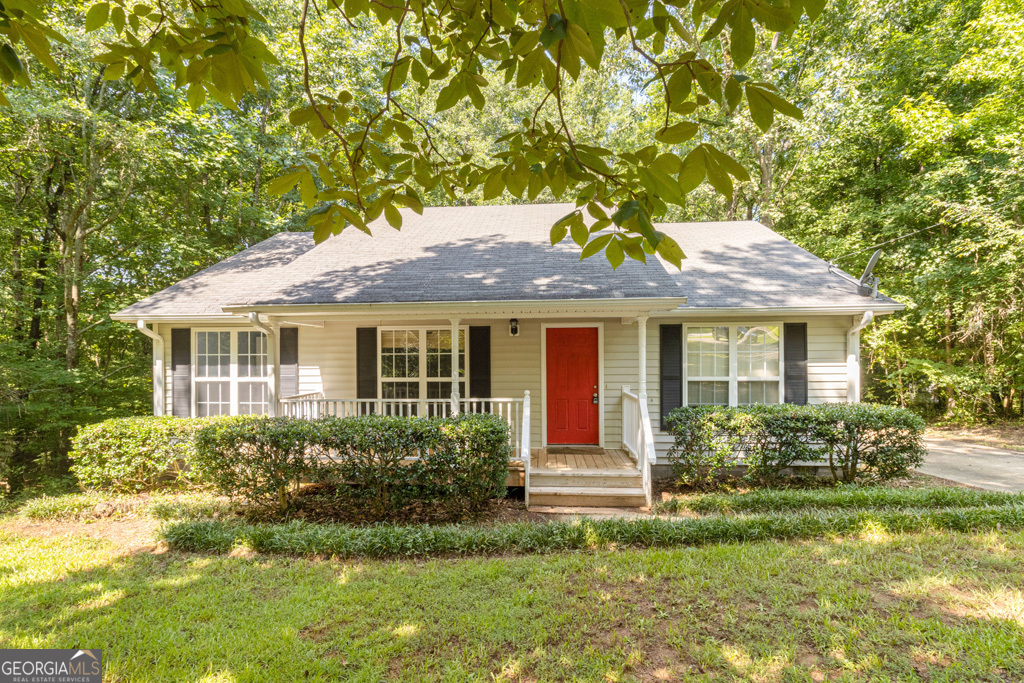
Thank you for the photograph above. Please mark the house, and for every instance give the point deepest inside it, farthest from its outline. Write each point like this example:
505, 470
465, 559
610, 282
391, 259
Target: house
581, 359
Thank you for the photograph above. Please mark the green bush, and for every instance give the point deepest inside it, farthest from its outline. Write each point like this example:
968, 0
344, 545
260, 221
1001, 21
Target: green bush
841, 497
856, 440
381, 541
380, 464
131, 454
883, 442
705, 445
260, 459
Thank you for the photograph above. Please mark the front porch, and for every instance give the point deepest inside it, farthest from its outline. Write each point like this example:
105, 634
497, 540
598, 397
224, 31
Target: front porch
580, 476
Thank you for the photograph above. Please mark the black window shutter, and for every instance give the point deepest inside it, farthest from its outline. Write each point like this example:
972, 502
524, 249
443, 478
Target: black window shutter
480, 362
181, 372
288, 358
795, 343
366, 362
671, 370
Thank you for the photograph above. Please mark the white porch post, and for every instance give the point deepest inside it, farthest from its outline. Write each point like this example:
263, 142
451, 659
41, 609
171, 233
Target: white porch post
641, 340
455, 365
273, 369
159, 397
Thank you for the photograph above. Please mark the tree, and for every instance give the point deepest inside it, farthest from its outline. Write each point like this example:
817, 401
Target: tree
375, 152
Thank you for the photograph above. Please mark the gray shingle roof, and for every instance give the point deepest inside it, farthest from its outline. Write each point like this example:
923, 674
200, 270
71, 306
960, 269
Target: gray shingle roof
502, 253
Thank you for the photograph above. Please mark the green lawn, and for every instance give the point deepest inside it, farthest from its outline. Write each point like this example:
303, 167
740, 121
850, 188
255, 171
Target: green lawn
937, 606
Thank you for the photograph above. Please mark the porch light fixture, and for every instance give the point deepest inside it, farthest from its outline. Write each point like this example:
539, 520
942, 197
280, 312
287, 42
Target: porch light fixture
513, 327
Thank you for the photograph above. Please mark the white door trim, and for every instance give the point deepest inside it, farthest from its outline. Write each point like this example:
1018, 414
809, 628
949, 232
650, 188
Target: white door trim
544, 377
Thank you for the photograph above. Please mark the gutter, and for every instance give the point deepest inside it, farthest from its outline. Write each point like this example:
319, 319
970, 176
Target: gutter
853, 357
158, 366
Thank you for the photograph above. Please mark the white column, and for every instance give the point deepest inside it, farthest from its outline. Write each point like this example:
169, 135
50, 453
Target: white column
159, 397
273, 370
455, 365
641, 340
273, 367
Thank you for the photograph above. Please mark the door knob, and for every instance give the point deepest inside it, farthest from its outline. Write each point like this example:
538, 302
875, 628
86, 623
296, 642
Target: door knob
595, 398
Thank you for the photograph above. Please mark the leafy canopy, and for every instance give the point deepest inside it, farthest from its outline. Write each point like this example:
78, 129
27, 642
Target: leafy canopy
376, 154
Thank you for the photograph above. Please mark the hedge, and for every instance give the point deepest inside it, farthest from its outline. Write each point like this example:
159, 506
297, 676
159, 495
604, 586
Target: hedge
132, 454
380, 464
857, 441
382, 541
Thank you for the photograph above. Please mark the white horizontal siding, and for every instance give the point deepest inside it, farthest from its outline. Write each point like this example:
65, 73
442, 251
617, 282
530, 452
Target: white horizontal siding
327, 363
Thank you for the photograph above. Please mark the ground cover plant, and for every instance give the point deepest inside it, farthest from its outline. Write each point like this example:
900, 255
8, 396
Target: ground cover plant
937, 606
304, 538
856, 441
89, 505
845, 497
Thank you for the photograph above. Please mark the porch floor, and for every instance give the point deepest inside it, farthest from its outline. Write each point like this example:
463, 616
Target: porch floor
574, 459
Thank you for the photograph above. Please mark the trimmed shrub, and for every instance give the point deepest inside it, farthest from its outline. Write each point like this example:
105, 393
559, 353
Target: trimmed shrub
260, 459
705, 445
381, 541
883, 442
380, 464
384, 464
856, 440
131, 454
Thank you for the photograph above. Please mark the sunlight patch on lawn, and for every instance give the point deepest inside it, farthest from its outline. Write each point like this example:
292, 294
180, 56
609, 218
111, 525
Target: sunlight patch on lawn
406, 630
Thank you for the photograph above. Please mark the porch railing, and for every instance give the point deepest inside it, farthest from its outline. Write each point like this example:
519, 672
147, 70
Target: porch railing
638, 436
515, 411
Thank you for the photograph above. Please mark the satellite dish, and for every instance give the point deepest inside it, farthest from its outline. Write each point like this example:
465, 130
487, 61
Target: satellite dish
868, 283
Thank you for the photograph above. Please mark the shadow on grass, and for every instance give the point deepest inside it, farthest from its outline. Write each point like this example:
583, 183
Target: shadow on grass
935, 606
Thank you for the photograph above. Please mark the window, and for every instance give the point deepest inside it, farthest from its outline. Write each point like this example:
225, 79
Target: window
417, 363
213, 372
707, 365
231, 374
757, 357
733, 364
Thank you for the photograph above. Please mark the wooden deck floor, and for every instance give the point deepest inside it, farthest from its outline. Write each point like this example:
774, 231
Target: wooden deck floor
575, 459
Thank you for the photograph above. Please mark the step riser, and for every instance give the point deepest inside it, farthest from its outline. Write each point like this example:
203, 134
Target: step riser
587, 500
579, 480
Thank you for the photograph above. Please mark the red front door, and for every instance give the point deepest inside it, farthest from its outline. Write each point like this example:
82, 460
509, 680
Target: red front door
572, 385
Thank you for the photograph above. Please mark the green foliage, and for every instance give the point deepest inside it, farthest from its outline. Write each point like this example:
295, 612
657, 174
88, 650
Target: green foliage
303, 538
133, 454
90, 505
868, 440
259, 459
375, 149
857, 440
839, 498
379, 464
704, 448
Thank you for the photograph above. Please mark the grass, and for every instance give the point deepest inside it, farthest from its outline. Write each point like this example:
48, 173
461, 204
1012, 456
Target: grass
937, 606
845, 497
338, 540
97, 505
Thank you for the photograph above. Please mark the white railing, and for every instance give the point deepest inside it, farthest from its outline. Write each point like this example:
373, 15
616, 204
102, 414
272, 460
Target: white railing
314, 405
638, 436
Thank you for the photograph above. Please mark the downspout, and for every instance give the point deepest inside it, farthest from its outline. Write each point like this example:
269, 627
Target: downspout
273, 369
158, 366
853, 357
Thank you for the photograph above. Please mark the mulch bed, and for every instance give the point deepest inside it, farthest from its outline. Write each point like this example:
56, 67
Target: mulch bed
317, 503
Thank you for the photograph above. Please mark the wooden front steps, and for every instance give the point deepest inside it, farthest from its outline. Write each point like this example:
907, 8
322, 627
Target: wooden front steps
585, 477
